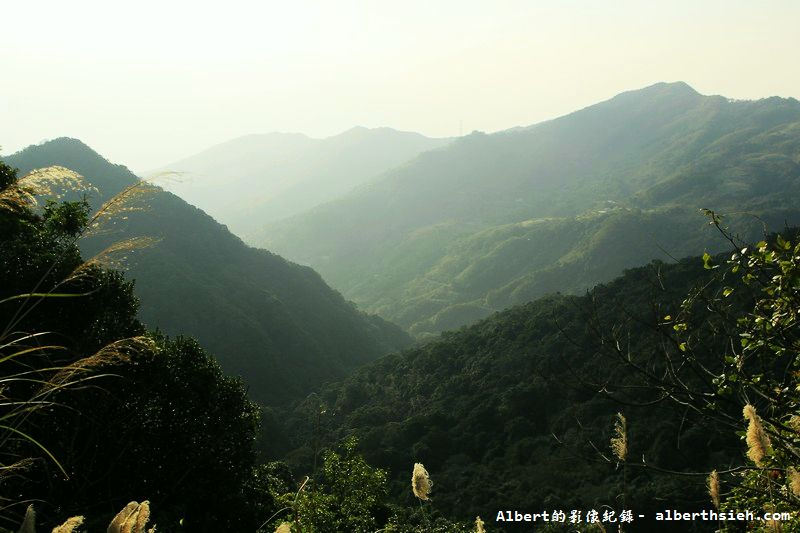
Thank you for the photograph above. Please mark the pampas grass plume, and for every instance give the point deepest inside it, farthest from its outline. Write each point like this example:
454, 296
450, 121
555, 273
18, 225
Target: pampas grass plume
29, 522
69, 526
757, 439
119, 351
713, 488
132, 519
793, 477
40, 182
421, 482
619, 443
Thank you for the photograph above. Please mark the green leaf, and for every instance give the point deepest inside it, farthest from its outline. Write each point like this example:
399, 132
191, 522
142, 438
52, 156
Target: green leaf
707, 261
43, 295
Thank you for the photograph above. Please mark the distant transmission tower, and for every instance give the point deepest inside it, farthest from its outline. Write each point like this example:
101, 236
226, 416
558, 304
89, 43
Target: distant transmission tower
460, 128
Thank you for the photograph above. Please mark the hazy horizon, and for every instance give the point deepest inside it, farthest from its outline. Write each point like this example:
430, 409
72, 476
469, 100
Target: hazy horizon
152, 85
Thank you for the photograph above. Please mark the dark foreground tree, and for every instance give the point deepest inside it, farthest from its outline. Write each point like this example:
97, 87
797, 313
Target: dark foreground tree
729, 354
96, 413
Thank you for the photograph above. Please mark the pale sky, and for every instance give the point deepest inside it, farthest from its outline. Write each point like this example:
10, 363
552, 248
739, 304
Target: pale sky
149, 82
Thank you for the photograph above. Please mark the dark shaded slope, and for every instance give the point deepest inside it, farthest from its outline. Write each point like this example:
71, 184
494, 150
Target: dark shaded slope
274, 322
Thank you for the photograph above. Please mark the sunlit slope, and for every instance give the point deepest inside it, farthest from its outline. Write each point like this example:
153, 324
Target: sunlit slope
493, 220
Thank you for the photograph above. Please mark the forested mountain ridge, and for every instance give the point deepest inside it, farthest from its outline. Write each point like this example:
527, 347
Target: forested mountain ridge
516, 411
495, 220
275, 323
272, 176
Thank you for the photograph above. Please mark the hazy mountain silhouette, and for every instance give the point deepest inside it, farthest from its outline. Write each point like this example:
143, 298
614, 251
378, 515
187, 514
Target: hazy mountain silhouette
255, 179
494, 220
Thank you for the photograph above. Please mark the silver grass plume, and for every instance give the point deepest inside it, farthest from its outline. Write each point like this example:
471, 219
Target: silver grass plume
132, 519
619, 442
112, 353
49, 181
69, 526
112, 257
132, 198
29, 522
713, 488
421, 483
793, 476
13, 469
757, 439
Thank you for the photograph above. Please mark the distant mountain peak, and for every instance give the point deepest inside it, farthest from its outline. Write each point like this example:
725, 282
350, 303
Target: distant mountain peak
78, 156
428, 243
71, 152
677, 89
361, 132
356, 132
674, 86
72, 144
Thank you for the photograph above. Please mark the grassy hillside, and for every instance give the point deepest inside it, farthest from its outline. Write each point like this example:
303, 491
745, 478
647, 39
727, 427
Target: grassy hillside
252, 180
494, 220
275, 323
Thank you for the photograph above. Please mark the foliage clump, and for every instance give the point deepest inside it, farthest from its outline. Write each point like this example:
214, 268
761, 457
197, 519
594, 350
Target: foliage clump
737, 342
350, 495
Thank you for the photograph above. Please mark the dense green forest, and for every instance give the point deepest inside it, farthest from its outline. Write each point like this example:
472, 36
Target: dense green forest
496, 220
504, 411
98, 414
630, 397
276, 175
516, 411
276, 324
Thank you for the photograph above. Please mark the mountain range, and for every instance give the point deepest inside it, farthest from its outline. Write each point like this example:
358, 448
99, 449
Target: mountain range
515, 258
491, 221
270, 321
247, 182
